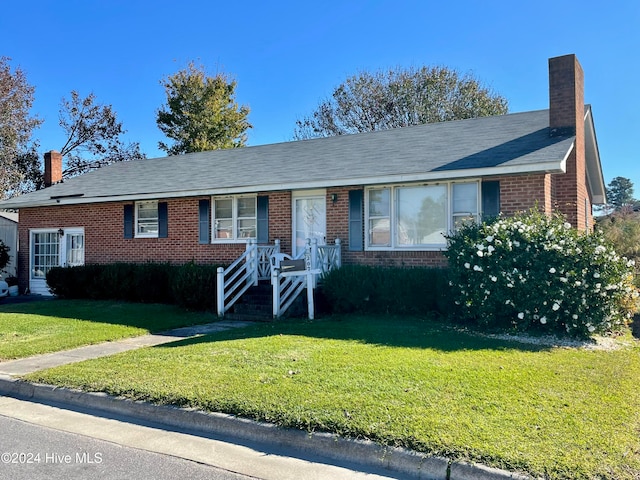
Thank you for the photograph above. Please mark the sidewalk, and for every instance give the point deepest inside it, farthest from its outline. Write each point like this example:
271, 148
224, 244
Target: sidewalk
27, 365
329, 449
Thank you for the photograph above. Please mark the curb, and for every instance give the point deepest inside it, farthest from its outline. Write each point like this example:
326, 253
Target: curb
331, 446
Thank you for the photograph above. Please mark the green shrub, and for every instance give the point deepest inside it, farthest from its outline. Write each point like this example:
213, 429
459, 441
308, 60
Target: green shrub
194, 286
191, 286
366, 289
61, 282
145, 283
117, 282
535, 272
152, 282
4, 255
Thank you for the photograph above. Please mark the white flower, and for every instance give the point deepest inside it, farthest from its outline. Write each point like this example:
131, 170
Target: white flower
596, 275
489, 238
477, 268
555, 307
493, 278
575, 317
543, 320
564, 279
480, 253
552, 270
521, 315
467, 265
591, 328
479, 246
567, 225
490, 249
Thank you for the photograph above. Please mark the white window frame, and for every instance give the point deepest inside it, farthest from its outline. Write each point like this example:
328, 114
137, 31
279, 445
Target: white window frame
38, 283
139, 234
32, 254
394, 215
235, 238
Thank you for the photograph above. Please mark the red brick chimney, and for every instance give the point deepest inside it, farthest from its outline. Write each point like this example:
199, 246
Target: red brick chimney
566, 118
52, 168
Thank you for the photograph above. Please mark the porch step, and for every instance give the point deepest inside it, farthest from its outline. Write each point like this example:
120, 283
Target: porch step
255, 305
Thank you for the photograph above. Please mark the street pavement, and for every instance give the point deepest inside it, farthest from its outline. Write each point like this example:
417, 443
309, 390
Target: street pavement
112, 448
32, 452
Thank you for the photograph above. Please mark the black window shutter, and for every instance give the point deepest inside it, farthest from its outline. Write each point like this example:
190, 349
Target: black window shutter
490, 199
128, 221
204, 225
356, 230
263, 219
163, 220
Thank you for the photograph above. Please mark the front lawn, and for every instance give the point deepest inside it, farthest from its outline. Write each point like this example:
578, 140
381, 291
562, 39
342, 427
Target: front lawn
52, 325
553, 412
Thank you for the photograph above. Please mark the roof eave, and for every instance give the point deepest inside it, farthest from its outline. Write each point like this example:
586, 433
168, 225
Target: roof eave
505, 170
593, 166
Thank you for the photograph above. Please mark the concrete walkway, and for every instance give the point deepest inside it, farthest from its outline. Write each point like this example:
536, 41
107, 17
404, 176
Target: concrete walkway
280, 444
27, 365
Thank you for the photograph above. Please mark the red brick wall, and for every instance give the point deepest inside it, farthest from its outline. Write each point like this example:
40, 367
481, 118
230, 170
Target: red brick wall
566, 116
105, 242
280, 227
104, 235
521, 193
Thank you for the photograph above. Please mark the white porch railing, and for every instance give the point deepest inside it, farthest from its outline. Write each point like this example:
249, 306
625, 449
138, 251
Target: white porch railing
253, 265
265, 252
319, 259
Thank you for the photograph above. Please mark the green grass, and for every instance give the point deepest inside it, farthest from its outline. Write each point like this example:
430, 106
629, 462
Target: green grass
554, 412
52, 325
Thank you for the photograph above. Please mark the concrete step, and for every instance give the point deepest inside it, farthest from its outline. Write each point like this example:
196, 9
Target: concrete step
249, 317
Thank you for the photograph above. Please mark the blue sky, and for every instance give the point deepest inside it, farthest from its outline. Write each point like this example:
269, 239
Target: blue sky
288, 55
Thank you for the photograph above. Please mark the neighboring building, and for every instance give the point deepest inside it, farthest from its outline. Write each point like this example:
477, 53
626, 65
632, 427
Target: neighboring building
9, 236
388, 195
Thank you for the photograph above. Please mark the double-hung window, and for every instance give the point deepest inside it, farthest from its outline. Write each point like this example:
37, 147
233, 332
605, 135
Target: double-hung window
380, 217
234, 218
417, 217
147, 219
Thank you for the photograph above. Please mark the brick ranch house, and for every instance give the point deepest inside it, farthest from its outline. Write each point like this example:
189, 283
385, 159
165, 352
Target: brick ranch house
388, 195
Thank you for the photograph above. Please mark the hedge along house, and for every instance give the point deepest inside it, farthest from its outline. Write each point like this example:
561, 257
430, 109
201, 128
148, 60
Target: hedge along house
390, 196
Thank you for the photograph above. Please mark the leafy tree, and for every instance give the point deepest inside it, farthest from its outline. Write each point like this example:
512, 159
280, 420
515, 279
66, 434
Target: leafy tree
93, 136
16, 129
201, 113
622, 229
4, 255
399, 98
620, 192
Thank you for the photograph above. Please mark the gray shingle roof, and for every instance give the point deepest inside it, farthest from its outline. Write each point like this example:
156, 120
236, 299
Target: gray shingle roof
514, 143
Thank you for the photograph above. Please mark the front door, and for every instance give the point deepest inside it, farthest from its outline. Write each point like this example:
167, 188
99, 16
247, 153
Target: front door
53, 248
309, 218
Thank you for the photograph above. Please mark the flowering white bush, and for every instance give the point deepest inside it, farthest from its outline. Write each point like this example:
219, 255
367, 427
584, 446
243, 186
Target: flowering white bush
536, 272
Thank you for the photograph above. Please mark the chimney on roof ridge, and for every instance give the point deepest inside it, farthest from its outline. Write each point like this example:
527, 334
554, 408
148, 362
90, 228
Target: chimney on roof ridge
52, 168
566, 95
566, 119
